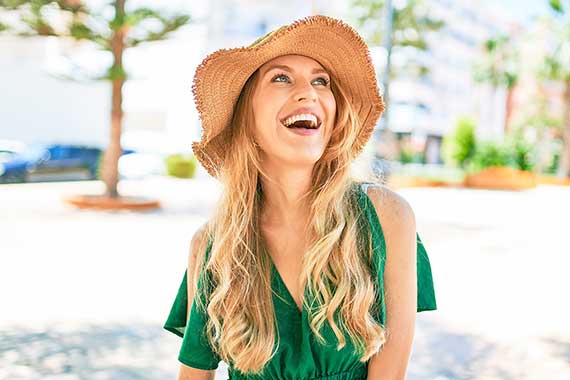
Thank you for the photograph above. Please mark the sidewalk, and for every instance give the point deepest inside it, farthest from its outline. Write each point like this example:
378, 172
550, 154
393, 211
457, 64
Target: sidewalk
84, 293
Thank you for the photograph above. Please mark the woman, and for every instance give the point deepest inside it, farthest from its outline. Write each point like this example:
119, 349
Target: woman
294, 277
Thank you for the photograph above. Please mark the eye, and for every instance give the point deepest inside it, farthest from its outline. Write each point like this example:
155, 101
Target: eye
278, 76
324, 80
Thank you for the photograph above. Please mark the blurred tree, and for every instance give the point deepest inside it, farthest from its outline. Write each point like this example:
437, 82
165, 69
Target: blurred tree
113, 31
556, 67
403, 26
540, 121
410, 23
499, 66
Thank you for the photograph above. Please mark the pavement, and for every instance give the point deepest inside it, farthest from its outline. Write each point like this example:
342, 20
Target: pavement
84, 294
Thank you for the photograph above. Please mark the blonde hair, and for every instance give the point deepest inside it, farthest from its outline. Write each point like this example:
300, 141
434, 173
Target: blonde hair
337, 266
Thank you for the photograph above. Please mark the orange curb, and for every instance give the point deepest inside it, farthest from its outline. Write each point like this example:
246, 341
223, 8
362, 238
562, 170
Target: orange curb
501, 178
553, 180
102, 202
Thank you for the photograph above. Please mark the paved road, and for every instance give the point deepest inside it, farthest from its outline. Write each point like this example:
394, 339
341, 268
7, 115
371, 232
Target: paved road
84, 293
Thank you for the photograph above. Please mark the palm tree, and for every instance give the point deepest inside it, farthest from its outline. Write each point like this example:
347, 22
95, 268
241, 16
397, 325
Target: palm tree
114, 34
409, 24
499, 67
405, 27
556, 67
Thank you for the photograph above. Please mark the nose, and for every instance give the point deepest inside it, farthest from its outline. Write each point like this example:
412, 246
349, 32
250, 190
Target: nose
305, 91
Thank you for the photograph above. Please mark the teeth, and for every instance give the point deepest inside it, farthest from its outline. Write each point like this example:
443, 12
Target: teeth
312, 118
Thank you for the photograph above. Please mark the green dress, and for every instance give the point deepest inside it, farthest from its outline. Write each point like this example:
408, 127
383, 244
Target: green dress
300, 355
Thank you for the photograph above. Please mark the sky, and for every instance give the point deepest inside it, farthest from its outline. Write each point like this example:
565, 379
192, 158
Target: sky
522, 10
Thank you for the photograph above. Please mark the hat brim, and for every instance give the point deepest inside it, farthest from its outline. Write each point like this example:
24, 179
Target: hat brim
221, 76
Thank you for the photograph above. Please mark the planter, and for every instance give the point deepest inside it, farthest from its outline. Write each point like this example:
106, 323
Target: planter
553, 180
501, 178
102, 202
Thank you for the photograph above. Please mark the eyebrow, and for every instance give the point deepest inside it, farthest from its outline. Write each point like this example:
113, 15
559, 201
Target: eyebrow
287, 68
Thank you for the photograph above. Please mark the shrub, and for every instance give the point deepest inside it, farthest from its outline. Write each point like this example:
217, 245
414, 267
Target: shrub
181, 166
491, 153
406, 156
553, 167
521, 151
459, 146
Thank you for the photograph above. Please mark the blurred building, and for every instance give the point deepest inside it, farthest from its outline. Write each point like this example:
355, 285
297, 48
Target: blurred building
424, 109
36, 106
160, 114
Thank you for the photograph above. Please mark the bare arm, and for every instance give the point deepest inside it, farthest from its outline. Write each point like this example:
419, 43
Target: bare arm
189, 373
400, 284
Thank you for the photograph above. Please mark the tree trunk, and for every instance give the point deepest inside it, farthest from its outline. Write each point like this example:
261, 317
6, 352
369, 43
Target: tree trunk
564, 168
539, 152
113, 152
492, 113
509, 107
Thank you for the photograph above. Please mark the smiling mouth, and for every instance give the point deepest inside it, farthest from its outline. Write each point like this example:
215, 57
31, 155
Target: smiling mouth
306, 124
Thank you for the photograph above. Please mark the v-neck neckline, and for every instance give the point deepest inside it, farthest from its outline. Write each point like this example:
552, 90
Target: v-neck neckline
284, 286
279, 279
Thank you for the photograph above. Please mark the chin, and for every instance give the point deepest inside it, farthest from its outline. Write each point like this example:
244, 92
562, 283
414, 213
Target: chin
307, 161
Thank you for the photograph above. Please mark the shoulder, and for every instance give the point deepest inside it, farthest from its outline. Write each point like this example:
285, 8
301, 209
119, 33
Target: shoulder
392, 208
397, 218
195, 258
198, 240
198, 245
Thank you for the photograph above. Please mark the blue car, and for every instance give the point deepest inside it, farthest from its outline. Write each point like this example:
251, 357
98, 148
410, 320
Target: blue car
16, 160
54, 161
67, 158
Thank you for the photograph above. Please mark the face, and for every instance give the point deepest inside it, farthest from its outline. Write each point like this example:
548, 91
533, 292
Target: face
286, 84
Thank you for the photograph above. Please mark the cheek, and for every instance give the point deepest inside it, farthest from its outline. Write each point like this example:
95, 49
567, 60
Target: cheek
265, 107
330, 105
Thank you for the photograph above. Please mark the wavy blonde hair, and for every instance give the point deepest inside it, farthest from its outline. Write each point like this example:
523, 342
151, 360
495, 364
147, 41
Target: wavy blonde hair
241, 322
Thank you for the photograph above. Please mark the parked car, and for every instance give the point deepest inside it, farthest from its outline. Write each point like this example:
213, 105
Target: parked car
62, 159
17, 159
41, 162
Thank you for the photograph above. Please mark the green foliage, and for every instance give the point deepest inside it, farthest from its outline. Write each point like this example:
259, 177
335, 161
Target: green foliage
168, 26
556, 6
79, 31
553, 167
406, 156
89, 25
514, 152
116, 72
411, 21
181, 166
521, 151
556, 61
499, 63
491, 153
459, 145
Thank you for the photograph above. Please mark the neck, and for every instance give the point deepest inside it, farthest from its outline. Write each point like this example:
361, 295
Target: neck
284, 197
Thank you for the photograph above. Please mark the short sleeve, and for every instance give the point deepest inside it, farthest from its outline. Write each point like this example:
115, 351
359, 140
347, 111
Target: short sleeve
195, 350
426, 292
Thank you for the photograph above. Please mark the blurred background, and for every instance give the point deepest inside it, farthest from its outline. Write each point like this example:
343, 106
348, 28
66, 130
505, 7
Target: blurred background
100, 193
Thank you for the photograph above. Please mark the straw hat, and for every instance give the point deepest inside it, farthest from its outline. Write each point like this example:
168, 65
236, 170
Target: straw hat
219, 78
